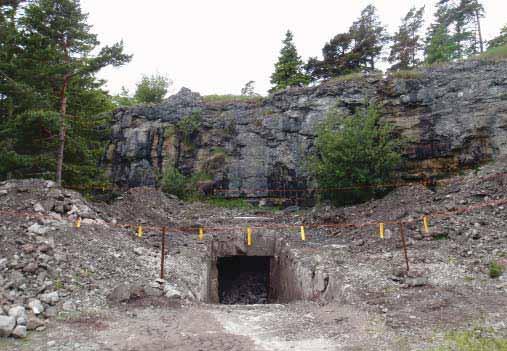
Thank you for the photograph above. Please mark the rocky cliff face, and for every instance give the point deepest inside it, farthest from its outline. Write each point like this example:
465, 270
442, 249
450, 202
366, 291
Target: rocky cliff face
455, 117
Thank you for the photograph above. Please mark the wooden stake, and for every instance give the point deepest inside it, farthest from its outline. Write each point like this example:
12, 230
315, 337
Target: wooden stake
402, 234
162, 255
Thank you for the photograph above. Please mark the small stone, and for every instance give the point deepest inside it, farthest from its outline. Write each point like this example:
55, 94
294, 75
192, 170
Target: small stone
153, 292
69, 306
23, 320
51, 298
120, 293
34, 323
17, 312
7, 324
171, 292
31, 267
36, 306
50, 312
38, 207
44, 248
415, 282
138, 251
38, 229
3, 192
20, 332
28, 248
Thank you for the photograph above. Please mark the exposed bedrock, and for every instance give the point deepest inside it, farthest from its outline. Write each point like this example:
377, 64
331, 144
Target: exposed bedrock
455, 117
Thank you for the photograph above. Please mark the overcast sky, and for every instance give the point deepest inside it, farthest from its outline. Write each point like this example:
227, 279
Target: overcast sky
216, 46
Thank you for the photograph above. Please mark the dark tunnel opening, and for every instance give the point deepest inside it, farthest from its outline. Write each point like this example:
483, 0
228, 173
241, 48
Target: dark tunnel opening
243, 280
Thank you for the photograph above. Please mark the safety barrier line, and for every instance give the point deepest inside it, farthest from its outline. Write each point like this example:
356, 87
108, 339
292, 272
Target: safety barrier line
140, 230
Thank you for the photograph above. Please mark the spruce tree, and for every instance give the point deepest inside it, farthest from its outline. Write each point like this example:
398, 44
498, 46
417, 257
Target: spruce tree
407, 43
289, 68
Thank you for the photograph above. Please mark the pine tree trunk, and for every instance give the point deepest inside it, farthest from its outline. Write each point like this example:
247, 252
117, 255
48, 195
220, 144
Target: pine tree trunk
478, 19
61, 147
63, 113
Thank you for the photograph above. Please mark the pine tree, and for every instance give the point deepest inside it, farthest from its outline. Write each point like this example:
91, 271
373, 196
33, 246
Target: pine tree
56, 33
500, 40
369, 37
289, 68
458, 27
356, 50
407, 43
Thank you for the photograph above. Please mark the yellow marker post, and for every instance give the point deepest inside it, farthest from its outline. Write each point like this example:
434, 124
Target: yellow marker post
78, 222
201, 233
249, 236
426, 224
303, 235
381, 230
140, 231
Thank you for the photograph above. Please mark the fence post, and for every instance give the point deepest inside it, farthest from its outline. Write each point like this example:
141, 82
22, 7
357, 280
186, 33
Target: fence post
402, 234
162, 255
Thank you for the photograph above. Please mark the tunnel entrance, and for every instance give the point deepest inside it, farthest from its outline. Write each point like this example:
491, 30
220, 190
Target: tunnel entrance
244, 280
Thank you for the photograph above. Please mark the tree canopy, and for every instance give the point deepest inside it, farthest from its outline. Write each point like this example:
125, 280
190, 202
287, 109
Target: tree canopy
407, 42
152, 89
356, 50
50, 94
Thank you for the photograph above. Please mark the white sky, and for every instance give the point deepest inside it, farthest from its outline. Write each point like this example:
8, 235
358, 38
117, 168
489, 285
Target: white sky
216, 46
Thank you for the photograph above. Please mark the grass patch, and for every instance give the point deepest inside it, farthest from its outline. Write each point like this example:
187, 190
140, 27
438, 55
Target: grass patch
231, 203
226, 99
407, 74
497, 53
357, 76
472, 341
440, 237
495, 269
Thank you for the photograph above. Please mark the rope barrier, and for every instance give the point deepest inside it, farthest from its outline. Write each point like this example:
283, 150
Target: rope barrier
140, 230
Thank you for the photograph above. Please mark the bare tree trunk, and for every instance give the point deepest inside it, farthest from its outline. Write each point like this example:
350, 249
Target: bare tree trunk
63, 113
478, 19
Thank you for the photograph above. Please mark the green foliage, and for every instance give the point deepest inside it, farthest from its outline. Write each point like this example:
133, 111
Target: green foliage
185, 187
475, 340
355, 151
440, 46
353, 51
173, 182
494, 54
188, 126
47, 55
500, 40
456, 32
407, 43
495, 269
152, 89
231, 203
289, 68
123, 99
